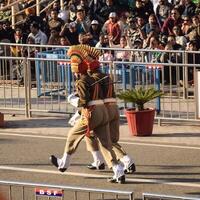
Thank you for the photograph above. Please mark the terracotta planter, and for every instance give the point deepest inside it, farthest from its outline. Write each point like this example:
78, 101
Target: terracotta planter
1, 120
140, 122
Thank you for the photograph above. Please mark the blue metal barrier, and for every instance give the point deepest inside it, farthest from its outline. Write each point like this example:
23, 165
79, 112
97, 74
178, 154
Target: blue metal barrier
53, 71
130, 76
127, 75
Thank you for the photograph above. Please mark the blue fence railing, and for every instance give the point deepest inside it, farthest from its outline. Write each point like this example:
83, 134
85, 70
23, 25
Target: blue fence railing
48, 72
56, 72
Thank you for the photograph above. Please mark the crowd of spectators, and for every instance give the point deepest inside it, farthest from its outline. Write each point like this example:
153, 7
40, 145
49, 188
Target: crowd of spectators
148, 24
105, 23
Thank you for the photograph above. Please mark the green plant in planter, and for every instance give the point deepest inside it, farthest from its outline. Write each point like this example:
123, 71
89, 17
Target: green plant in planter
139, 96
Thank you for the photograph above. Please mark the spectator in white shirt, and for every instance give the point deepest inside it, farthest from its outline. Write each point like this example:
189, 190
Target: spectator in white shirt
119, 54
180, 39
39, 36
102, 41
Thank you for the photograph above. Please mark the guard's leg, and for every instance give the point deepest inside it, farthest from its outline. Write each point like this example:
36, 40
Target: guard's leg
109, 155
74, 137
129, 166
93, 147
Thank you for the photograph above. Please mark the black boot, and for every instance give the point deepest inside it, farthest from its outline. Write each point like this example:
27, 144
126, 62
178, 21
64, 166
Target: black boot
54, 161
131, 169
100, 167
120, 180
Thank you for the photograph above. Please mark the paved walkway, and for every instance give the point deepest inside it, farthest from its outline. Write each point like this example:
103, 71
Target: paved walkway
161, 169
180, 134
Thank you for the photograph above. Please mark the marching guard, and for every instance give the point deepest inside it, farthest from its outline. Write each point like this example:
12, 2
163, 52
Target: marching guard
110, 102
94, 116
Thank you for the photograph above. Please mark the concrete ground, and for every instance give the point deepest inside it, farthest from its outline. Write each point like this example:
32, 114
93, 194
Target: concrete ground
167, 162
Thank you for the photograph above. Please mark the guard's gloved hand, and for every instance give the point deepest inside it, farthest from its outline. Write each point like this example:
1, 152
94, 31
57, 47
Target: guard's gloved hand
74, 118
73, 99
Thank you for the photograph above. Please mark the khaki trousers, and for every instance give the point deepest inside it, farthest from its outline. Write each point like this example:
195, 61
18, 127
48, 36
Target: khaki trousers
100, 127
92, 142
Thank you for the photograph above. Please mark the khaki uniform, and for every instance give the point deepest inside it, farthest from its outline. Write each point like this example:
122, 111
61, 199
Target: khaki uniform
94, 116
113, 113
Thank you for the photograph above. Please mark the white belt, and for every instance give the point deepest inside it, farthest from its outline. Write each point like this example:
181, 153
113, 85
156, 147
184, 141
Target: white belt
95, 102
110, 100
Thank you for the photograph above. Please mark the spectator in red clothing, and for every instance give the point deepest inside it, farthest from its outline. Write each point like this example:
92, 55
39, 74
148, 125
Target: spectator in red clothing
108, 7
173, 20
112, 28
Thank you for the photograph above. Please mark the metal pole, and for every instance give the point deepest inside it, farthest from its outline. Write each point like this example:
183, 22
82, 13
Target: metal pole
29, 87
158, 107
185, 79
131, 196
23, 193
61, 4
38, 7
196, 94
9, 193
123, 72
26, 87
13, 16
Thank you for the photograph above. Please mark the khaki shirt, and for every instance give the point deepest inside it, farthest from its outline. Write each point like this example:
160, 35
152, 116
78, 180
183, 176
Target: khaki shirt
85, 87
105, 83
